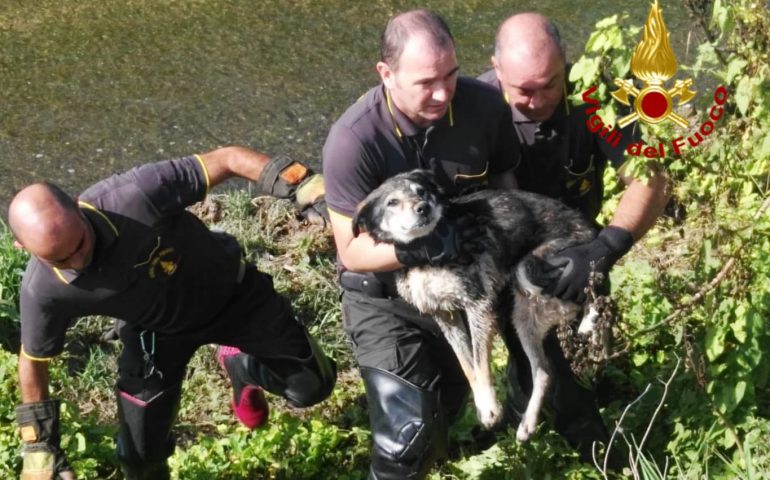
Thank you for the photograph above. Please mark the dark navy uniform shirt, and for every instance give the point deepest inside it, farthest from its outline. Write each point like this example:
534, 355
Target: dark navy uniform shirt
155, 264
373, 141
561, 158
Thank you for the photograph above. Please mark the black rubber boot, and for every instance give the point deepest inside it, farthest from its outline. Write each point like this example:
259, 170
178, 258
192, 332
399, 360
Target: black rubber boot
409, 432
144, 440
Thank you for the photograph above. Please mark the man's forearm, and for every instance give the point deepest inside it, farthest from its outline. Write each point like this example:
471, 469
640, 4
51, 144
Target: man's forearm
33, 379
363, 255
227, 162
641, 205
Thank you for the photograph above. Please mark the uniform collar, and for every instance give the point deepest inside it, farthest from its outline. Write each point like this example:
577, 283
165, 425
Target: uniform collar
106, 231
105, 234
403, 127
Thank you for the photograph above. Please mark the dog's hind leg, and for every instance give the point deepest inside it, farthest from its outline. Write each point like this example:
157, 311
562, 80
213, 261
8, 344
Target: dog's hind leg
531, 334
482, 324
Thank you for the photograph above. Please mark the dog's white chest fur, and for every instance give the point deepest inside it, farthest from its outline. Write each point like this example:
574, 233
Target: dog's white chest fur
431, 289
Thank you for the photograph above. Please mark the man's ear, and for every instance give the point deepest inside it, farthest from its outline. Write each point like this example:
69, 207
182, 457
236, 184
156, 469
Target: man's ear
387, 75
496, 66
18, 245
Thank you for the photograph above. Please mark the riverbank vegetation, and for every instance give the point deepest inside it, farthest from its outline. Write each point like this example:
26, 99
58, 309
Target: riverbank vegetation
687, 385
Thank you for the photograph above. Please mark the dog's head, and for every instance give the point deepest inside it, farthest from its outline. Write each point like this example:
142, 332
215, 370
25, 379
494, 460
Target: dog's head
404, 208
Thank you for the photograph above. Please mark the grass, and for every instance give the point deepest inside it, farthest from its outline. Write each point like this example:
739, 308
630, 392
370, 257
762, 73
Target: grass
327, 441
12, 263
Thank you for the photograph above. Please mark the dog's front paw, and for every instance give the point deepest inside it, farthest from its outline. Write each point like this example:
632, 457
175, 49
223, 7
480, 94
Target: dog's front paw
526, 428
488, 409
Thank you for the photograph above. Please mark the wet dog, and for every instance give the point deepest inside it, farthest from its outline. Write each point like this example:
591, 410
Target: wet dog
519, 230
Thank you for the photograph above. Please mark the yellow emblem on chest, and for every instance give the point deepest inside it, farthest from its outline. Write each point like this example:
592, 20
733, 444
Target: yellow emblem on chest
164, 260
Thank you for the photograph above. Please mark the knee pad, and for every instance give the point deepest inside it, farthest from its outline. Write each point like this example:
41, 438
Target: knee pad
144, 440
303, 382
409, 432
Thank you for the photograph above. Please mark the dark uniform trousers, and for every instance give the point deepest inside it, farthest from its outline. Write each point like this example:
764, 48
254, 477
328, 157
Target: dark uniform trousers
152, 367
414, 384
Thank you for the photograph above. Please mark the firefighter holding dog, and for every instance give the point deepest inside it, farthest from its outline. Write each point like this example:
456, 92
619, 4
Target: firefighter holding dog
127, 248
560, 158
421, 116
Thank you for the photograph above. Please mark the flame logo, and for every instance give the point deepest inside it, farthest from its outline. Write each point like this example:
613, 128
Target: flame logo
654, 63
653, 60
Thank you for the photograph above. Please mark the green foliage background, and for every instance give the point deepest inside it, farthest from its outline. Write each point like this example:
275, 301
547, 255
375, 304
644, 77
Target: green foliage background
694, 293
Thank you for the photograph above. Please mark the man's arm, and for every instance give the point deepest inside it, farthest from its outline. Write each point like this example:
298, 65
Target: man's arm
227, 162
33, 379
289, 179
38, 420
639, 208
641, 204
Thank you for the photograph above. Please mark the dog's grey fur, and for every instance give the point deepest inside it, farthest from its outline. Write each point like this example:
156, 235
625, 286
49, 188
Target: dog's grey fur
520, 229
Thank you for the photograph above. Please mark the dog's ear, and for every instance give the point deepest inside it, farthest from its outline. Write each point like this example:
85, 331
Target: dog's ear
367, 219
361, 220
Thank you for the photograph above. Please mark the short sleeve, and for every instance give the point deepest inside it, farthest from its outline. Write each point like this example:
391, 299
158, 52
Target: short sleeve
169, 186
43, 325
349, 172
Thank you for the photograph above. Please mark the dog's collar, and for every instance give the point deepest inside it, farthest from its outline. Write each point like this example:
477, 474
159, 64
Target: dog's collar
396, 127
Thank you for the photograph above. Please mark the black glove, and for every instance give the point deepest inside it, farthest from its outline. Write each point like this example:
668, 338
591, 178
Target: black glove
285, 178
39, 425
580, 261
450, 242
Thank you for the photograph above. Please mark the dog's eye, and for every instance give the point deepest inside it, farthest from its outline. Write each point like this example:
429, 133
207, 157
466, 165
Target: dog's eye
392, 202
419, 191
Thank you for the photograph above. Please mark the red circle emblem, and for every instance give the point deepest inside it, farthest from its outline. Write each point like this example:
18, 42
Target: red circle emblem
654, 104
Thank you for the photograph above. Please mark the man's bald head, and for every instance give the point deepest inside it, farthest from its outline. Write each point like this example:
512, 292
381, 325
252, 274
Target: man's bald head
529, 61
49, 224
531, 34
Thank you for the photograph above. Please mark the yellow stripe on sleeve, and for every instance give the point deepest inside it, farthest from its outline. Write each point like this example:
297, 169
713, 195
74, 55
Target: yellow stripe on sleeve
205, 172
332, 213
36, 359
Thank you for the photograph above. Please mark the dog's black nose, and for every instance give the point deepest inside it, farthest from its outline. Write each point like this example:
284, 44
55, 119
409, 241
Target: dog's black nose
422, 208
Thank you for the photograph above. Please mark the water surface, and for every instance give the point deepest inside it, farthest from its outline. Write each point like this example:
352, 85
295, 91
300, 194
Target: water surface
94, 87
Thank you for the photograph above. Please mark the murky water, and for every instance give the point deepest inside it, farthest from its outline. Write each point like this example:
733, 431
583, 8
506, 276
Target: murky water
93, 87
